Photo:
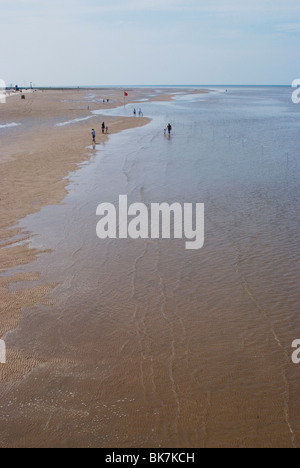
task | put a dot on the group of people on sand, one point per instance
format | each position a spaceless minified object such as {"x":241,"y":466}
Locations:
{"x":104,"y":130}
{"x":140,"y":112}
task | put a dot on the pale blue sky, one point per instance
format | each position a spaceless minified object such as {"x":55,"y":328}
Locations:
{"x":148,"y":42}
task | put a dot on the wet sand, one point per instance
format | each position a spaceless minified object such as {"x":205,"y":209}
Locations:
{"x":36,"y":157}
{"x":140,"y":343}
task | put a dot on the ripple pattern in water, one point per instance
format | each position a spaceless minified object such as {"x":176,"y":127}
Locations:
{"x":147,"y":344}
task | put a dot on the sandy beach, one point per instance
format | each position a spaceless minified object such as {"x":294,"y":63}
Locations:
{"x":37,"y":154}
{"x":142,"y":343}
{"x":149,"y":227}
{"x":35,"y":159}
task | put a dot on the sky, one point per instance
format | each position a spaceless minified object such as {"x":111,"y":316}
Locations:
{"x":149,"y":42}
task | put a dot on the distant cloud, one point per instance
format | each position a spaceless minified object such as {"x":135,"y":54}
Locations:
{"x":229,"y":33}
{"x":33,"y":7}
{"x":198,"y":5}
{"x":289,"y":28}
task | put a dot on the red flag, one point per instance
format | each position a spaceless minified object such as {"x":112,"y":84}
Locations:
{"x":125,"y":94}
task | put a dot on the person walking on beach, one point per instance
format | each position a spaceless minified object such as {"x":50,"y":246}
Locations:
{"x":134,"y":111}
{"x":106,"y":129}
{"x":94,"y":135}
{"x":169,"y":127}
{"x":103,"y":127}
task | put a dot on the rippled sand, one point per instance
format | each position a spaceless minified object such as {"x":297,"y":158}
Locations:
{"x":142,"y":343}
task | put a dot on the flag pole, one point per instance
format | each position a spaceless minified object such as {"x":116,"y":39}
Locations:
{"x":125,"y":95}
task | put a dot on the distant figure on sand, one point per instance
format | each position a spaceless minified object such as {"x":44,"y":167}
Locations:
{"x":94,"y":135}
{"x":140,"y":112}
{"x":134,"y":111}
{"x":106,"y":129}
{"x":103,"y":127}
{"x":169,"y":127}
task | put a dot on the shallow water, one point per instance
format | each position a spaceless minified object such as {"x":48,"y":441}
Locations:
{"x":9,"y":125}
{"x":148,"y":344}
{"x":70,"y":122}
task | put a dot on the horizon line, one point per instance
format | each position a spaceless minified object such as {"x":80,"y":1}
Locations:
{"x":148,"y":86}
